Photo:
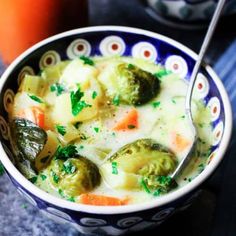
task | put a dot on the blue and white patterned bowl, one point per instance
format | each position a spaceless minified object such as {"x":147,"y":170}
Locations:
{"x":111,"y":40}
{"x":187,"y":14}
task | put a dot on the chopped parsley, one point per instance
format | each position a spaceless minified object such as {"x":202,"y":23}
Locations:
{"x":43,"y":177}
{"x":55,"y":177}
{"x":96,"y":129}
{"x":94,"y":94}
{"x":44,"y":159}
{"x":164,"y":180}
{"x":61,"y":129}
{"x":35,"y":98}
{"x":87,"y":60}
{"x":156,"y":104}
{"x":131,"y":126}
{"x":114,"y":168}
{"x":33,"y":180}
{"x":158,"y":192}
{"x":71,"y":199}
{"x":201,"y":167}
{"x":58,"y":88}
{"x":173,"y":100}
{"x":1,"y":169}
{"x":200,"y":125}
{"x":68,"y":167}
{"x":182,"y":117}
{"x":144,"y":186}
{"x":76,"y":104}
{"x":161,"y":74}
{"x":64,"y":153}
{"x":130,"y":66}
{"x":116,"y":100}
{"x":61,"y":192}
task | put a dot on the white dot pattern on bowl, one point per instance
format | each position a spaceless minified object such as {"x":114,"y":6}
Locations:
{"x":217,"y":133}
{"x":27,"y":70}
{"x":144,"y":50}
{"x":201,"y":87}
{"x":8,"y":99}
{"x":214,"y":106}
{"x":177,"y":65}
{"x":58,"y":213}
{"x":92,"y":222}
{"x":112,"y":46}
{"x":4,"y":128}
{"x":54,"y":217}
{"x":77,"y":48}
{"x":49,"y":58}
{"x":161,"y":215}
{"x":27,"y":197}
{"x":211,"y":157}
{"x":127,"y":222}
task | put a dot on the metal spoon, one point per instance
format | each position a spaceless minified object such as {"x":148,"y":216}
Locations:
{"x":188,"y":99}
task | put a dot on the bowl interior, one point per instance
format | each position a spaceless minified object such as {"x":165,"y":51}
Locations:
{"x":108,"y":41}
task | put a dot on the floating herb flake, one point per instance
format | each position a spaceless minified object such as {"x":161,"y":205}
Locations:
{"x":35,"y":98}
{"x":96,"y":129}
{"x":130,"y":66}
{"x":114,"y":168}
{"x":61,"y":192}
{"x":58,"y":88}
{"x":77,"y":124}
{"x":33,"y":179}
{"x":116,"y":100}
{"x":156,"y":104}
{"x":173,"y":101}
{"x":144,"y":186}
{"x":71,"y":199}
{"x":43,"y":177}
{"x":94,"y":94}
{"x":64,"y":153}
{"x":61,"y":129}
{"x":55,"y":177}
{"x":76,"y":104}
{"x":68,"y":167}
{"x":87,"y":60}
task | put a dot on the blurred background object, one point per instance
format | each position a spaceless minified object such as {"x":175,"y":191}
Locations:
{"x":187,"y":14}
{"x":25,"y":22}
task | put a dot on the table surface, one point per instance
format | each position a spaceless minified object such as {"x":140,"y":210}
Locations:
{"x":214,"y":212}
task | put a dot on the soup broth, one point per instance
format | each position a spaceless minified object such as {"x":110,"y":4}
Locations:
{"x":106,"y":131}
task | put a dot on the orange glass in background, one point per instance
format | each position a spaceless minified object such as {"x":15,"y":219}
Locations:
{"x":25,"y":22}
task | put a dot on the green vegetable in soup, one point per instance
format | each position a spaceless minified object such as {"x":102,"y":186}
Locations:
{"x":143,"y":158}
{"x":74,"y":176}
{"x":130,"y":83}
{"x":28,"y":140}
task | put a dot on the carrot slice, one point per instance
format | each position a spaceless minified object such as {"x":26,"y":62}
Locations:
{"x":130,"y":121}
{"x":101,"y":200}
{"x":179,"y":142}
{"x":34,"y":114}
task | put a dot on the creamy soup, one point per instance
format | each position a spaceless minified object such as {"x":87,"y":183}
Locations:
{"x":106,"y":131}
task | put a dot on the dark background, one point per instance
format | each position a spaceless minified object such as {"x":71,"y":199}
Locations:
{"x":214,"y":212}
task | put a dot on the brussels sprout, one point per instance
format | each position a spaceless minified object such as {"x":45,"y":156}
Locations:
{"x":28,"y":140}
{"x":74,"y":176}
{"x":133,"y":85}
{"x":142,"y":159}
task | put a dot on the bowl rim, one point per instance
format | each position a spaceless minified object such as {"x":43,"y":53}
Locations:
{"x":108,"y":210}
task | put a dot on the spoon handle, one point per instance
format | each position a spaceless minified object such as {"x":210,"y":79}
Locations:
{"x":188,"y":99}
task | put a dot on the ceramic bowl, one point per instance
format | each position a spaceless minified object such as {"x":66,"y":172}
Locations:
{"x":187,"y":14}
{"x":112,"y":40}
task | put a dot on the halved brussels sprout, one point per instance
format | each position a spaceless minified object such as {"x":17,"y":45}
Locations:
{"x":74,"y":176}
{"x":130,"y":83}
{"x":143,"y":158}
{"x":28,"y":140}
